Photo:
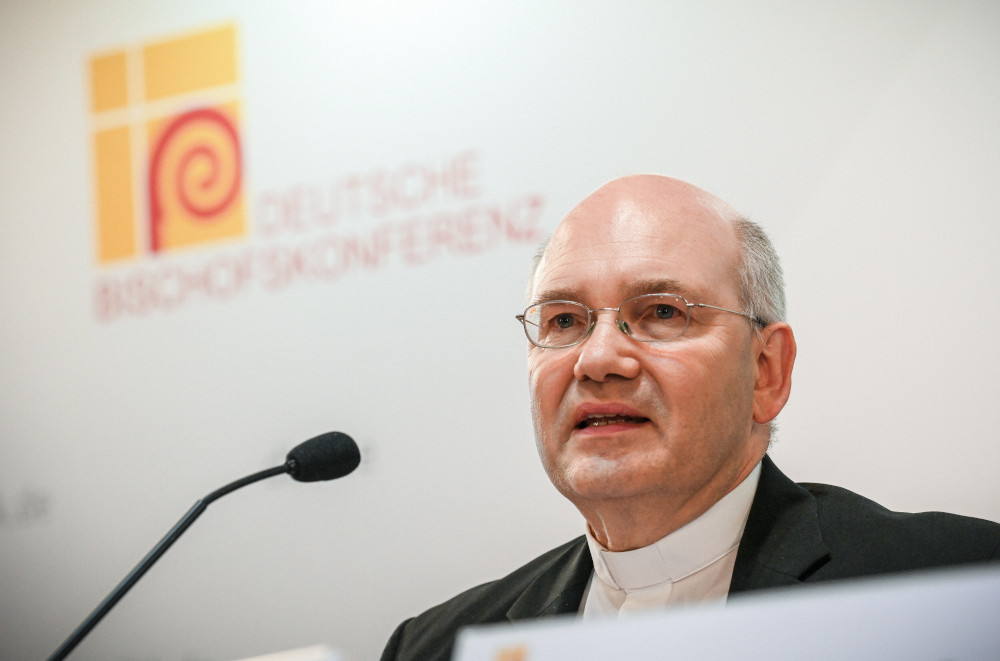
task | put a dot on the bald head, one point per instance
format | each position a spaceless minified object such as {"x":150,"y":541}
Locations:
{"x":670,"y":196}
{"x":640,"y":208}
{"x":627,"y":216}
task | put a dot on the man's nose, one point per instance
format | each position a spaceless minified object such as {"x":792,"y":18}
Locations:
{"x":607,"y":351}
{"x":614,"y":315}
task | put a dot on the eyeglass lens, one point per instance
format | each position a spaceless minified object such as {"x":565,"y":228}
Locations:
{"x":653,"y":317}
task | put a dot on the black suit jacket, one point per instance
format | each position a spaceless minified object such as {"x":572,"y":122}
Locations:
{"x":795,"y":534}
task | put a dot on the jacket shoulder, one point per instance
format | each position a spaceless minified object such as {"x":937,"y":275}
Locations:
{"x":867,"y":538}
{"x":802,"y":532}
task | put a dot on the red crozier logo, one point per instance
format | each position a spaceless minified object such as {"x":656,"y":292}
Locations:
{"x":166,"y":141}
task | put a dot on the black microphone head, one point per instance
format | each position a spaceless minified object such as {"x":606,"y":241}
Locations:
{"x":326,"y":457}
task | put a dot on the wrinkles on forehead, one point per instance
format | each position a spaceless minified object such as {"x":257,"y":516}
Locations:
{"x":630,"y":290}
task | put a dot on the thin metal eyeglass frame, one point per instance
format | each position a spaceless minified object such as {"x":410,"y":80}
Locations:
{"x":622,"y":324}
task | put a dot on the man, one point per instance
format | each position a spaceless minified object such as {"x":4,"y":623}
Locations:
{"x":658,"y":358}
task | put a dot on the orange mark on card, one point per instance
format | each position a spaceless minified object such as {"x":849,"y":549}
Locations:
{"x":519,"y":653}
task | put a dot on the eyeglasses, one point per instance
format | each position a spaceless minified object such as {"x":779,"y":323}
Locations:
{"x":646,"y":318}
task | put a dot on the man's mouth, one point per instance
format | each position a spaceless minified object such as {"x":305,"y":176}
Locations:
{"x":598,"y":420}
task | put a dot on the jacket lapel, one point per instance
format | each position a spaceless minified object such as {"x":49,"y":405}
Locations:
{"x":782,"y":543}
{"x":559,"y":589}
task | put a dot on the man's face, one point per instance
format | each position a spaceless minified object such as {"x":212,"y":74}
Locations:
{"x":681,"y":412}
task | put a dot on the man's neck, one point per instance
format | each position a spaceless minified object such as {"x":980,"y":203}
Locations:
{"x":626,"y":524}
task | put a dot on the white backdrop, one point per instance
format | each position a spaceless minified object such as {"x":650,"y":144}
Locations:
{"x":863,"y":135}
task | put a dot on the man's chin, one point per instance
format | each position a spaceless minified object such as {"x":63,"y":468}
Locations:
{"x":599,"y":478}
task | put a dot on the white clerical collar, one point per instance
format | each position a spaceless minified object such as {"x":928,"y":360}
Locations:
{"x":684,"y":551}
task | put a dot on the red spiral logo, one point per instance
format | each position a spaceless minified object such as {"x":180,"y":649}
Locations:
{"x":195,"y":174}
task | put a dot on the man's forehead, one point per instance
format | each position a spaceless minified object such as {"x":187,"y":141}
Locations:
{"x":632,"y":238}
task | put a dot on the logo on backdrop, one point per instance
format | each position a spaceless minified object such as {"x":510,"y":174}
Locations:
{"x":172,"y":214}
{"x":166,"y":144}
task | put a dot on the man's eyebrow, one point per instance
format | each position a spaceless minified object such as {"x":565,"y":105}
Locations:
{"x":570,"y":294}
{"x":657,"y":286}
{"x":633,"y":289}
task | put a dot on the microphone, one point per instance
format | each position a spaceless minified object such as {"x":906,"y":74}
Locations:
{"x":325,"y":457}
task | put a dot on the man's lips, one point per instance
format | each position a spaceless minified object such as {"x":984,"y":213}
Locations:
{"x":605,"y":420}
{"x":603,"y":415}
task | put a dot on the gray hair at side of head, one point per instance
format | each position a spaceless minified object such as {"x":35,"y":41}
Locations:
{"x":762,"y":283}
{"x":761,"y":278}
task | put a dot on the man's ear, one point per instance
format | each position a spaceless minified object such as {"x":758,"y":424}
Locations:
{"x":773,"y":371}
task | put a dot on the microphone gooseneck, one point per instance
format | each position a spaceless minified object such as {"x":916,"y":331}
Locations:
{"x":325,"y":457}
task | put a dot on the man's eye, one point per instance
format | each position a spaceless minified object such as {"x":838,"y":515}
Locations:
{"x":664,"y":311}
{"x":564,"y":321}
